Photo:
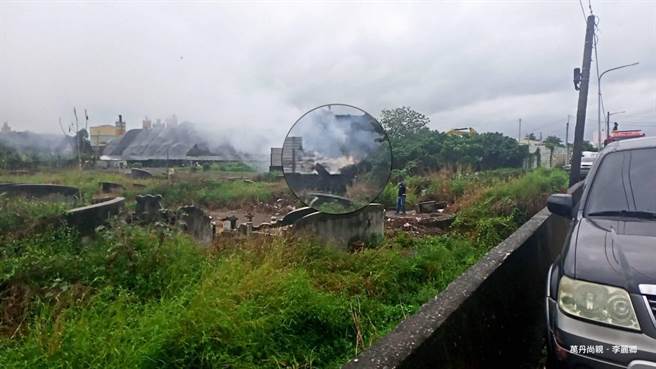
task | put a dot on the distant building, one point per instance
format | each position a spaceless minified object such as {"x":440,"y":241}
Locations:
{"x":120,"y":125}
{"x":276,"y":159}
{"x":182,"y":145}
{"x":147,"y":123}
{"x":6,"y":128}
{"x":539,"y":155}
{"x":172,"y":121}
{"x":292,"y":154}
{"x":101,"y":135}
{"x":158,"y":123}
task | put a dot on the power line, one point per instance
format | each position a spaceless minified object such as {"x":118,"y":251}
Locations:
{"x":595,"y":40}
{"x":582,"y":10}
{"x":590,"y":6}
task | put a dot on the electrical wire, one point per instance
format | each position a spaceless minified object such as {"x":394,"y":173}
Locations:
{"x":582,"y":10}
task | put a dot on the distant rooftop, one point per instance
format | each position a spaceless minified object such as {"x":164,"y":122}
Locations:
{"x":180,"y":142}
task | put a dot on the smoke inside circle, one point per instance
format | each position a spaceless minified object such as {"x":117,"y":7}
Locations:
{"x":336,"y":158}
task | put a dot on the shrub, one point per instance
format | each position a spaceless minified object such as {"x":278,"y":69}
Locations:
{"x":19,"y":215}
{"x":142,"y":299}
{"x":505,"y":206}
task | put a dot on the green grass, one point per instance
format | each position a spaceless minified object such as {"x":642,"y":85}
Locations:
{"x":138,"y":299}
{"x":87,"y":181}
{"x":235,"y":167}
{"x":446,"y":186}
{"x":21,"y":215}
{"x":217,"y":193}
{"x":207,"y":189}
{"x":501,"y":209}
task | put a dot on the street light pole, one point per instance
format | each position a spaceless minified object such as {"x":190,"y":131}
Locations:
{"x":599,"y":99}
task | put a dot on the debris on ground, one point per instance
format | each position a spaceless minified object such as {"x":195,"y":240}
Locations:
{"x":418,"y":224}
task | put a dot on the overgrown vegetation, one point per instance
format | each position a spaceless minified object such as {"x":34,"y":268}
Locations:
{"x":417,"y":149}
{"x":444,"y":185}
{"x":493,"y":215}
{"x":148,"y":297}
{"x":19,"y":216}
{"x":212,"y":193}
{"x":137,"y":298}
{"x":208,"y":189}
{"x":232,"y":167}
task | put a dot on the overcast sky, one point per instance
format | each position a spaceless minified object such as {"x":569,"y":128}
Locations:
{"x":249,"y":70}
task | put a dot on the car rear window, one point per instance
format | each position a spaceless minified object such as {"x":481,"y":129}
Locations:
{"x":625,"y":181}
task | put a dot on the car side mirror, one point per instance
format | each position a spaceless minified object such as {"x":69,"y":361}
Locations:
{"x":561,"y":204}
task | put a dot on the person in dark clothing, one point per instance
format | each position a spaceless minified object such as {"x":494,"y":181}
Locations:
{"x":400,"y":201}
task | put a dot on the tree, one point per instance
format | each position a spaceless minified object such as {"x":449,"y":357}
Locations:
{"x":403,"y":122}
{"x":410,"y":137}
{"x":587,"y":146}
{"x":531,"y":136}
{"x":9,"y":157}
{"x":498,"y":151}
{"x":416,"y":148}
{"x":551,"y":143}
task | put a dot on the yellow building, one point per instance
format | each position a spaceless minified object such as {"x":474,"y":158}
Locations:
{"x":101,"y":135}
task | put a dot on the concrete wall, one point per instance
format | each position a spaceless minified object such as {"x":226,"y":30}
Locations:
{"x":492,"y":316}
{"x":38,"y":190}
{"x":333,"y":183}
{"x":87,"y":218}
{"x":366,"y":225}
{"x":539,"y":155}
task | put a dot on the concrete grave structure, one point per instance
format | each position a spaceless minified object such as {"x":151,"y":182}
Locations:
{"x":366,"y":224}
{"x":140,"y":173}
{"x":148,"y":208}
{"x":109,"y":187}
{"x":86,"y":219}
{"x":199,"y":225}
{"x":39,"y":190}
{"x":294,"y":215}
{"x":430,"y":206}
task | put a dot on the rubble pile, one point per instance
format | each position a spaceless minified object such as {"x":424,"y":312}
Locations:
{"x":417,"y":225}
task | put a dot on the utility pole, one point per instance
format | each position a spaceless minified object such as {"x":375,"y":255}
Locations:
{"x":519,"y":134}
{"x":579,"y":129}
{"x":77,"y":140}
{"x":567,"y":139}
{"x":608,"y":120}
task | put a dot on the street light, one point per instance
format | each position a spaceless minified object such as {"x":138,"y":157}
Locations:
{"x":599,"y":99}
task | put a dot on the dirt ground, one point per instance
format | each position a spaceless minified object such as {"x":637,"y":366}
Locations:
{"x":418,"y":224}
{"x":411,"y":222}
{"x":262,"y":212}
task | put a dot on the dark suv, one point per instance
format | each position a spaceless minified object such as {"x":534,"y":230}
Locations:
{"x":601,"y":291}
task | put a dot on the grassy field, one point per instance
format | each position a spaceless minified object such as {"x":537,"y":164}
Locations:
{"x":445,"y":186}
{"x":20,"y":216}
{"x":150,"y":298}
{"x":137,"y":299}
{"x":211,"y":189}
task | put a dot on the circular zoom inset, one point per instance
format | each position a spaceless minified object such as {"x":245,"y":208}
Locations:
{"x":336,"y":158}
